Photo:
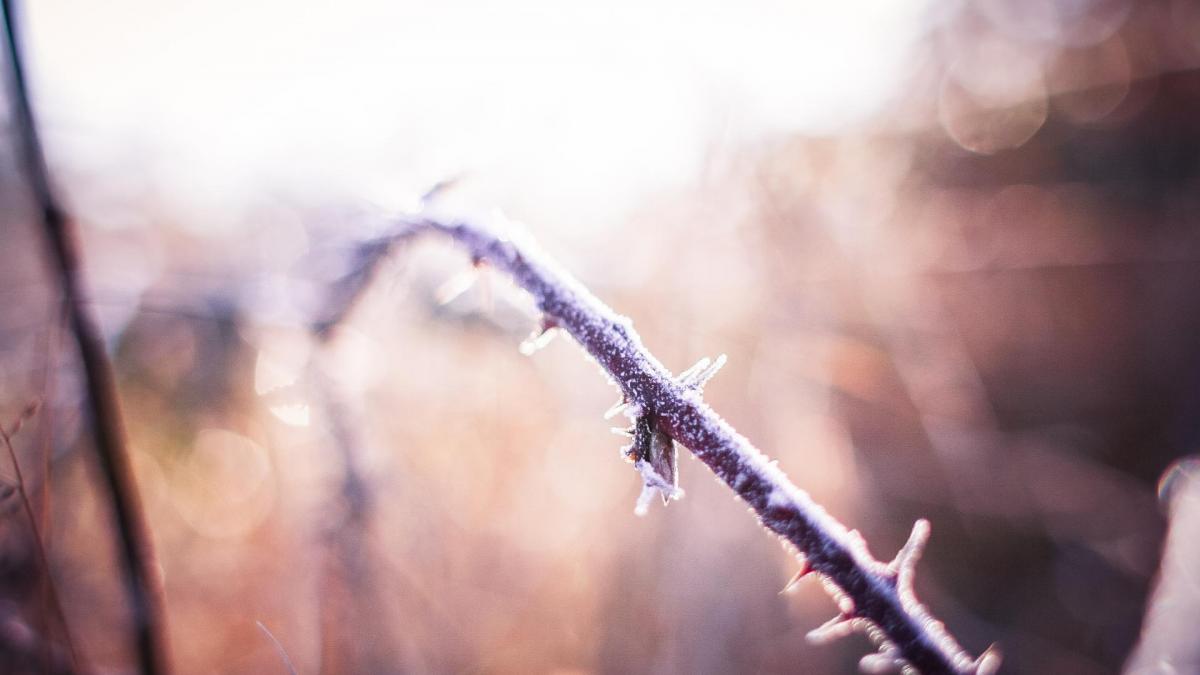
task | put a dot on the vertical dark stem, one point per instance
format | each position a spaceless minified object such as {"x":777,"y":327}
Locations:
{"x":141,"y":578}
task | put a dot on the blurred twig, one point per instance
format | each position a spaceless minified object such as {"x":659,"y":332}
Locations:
{"x":38,"y":541}
{"x":872,"y":596}
{"x":143,"y":584}
{"x":283,"y":655}
{"x":1168,"y":643}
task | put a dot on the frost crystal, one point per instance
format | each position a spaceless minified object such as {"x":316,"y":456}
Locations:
{"x":536,"y":340}
{"x":455,"y":286}
{"x":880,"y":664}
{"x":904,"y":565}
{"x":699,"y":374}
{"x":835,"y":628}
{"x":616,"y":408}
{"x":653,"y":483}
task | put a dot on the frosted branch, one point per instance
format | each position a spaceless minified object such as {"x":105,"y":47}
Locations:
{"x":872,"y":596}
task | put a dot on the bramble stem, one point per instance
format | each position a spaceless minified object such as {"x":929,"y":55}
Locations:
{"x":872,"y":596}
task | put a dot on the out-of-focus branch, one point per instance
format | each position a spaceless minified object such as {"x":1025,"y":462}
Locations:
{"x":1168,"y":643}
{"x":872,"y":596}
{"x":142,"y":581}
{"x":35,"y":531}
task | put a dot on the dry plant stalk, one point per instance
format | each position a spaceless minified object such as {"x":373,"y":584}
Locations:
{"x":141,"y":579}
{"x":872,"y":596}
{"x":49,"y":588}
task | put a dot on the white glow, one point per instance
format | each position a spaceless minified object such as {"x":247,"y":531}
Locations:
{"x":561,"y":109}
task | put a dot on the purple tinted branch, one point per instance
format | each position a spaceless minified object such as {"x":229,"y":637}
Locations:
{"x":872,"y":596}
{"x":142,"y":581}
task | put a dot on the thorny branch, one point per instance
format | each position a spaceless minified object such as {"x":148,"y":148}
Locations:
{"x":142,"y":582}
{"x":872,"y":596}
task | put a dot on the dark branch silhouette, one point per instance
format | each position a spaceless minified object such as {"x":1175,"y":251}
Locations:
{"x":142,"y":582}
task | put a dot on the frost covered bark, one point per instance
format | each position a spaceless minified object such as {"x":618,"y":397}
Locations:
{"x":872,"y":596}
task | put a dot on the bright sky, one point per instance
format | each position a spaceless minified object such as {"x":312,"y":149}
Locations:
{"x":565,"y":109}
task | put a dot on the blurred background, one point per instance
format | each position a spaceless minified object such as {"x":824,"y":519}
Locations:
{"x":949,"y":247}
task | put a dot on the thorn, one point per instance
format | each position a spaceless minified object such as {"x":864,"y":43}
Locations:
{"x":627,"y":433}
{"x":686,"y":376}
{"x":616,"y":408}
{"x":843,"y":600}
{"x":846,"y":605}
{"x":904,"y":565}
{"x":643,"y":501}
{"x":879,"y":664}
{"x":540,"y":337}
{"x":31,"y":409}
{"x":988,"y":662}
{"x":455,"y":286}
{"x":486,"y":297}
{"x":857,"y":539}
{"x":27,"y":413}
{"x":439,"y":188}
{"x":283,"y":655}
{"x":837,"y":627}
{"x":804,"y":571}
{"x":701,"y":372}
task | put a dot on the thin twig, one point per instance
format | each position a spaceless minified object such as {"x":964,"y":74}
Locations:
{"x":873,"y":596}
{"x":142,"y":582}
{"x":39,"y":543}
{"x":283,"y":655}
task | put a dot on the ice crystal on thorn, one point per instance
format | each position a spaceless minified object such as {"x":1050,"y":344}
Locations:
{"x":539,"y":338}
{"x":904,"y":566}
{"x":835,"y":628}
{"x":701,"y":372}
{"x":455,"y":286}
{"x":616,"y":408}
{"x":653,"y":483}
